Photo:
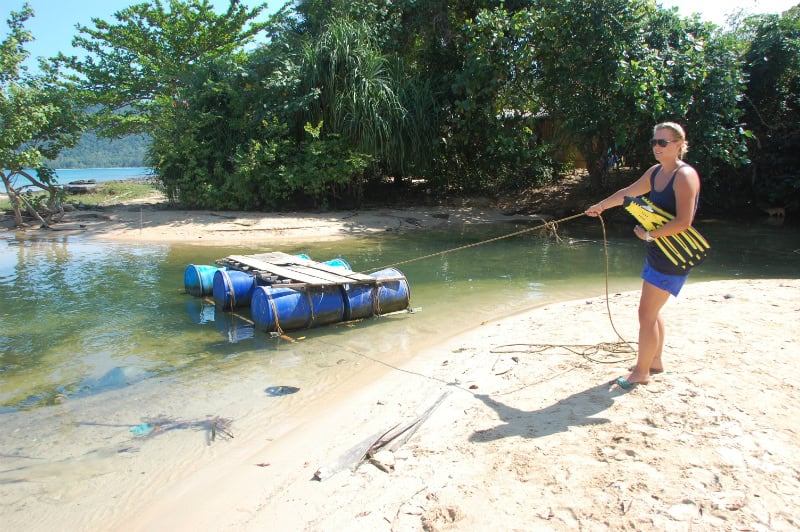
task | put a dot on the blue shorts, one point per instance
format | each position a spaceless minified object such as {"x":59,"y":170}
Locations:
{"x":666,"y":282}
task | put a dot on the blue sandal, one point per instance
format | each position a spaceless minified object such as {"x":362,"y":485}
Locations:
{"x":623,"y":383}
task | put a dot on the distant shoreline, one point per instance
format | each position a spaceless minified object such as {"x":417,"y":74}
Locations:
{"x":100,"y":175}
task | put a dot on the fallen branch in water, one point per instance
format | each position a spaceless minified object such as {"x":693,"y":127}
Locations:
{"x":221,"y":425}
{"x":214,"y":426}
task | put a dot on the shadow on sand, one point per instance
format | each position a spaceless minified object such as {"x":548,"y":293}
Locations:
{"x":574,"y":411}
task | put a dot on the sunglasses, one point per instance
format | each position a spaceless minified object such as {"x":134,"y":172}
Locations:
{"x":661,"y":142}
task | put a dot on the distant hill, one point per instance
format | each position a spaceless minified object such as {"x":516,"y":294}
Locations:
{"x":94,"y":152}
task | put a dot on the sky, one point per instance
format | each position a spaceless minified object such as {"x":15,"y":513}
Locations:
{"x":716,"y":11}
{"x":53,"y":25}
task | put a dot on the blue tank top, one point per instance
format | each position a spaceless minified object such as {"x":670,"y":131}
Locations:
{"x":664,"y":199}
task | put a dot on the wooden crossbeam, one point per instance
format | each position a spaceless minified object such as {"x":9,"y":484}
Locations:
{"x":284,"y":259}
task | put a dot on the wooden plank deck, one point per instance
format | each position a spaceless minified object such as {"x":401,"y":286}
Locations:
{"x":300,"y":262}
{"x":295,"y":269}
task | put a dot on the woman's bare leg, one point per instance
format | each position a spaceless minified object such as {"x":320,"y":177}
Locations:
{"x":651,"y":332}
{"x":656,"y":365}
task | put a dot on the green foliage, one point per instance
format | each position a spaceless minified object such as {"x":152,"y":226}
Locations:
{"x":461,"y":93}
{"x":217,"y":156}
{"x":491,"y":142}
{"x":193,"y":150}
{"x":608,"y":70}
{"x":598,"y":78}
{"x":353,"y":91}
{"x":702,"y":88}
{"x":12,"y":47}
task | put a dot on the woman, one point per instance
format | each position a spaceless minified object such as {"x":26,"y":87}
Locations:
{"x":674,"y":186}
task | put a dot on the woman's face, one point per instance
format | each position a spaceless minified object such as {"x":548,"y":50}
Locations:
{"x":665,"y":144}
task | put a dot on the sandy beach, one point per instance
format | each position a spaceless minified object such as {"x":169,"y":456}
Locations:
{"x":150,"y":221}
{"x":512,"y":426}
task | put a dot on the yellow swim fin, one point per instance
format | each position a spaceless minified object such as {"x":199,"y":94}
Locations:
{"x":684,"y":249}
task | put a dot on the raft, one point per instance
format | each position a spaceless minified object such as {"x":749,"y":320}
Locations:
{"x":288,"y":292}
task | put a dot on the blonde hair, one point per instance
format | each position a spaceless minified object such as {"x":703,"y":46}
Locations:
{"x":678,"y":131}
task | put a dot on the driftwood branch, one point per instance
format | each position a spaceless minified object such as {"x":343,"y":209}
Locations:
{"x":33,"y":211}
{"x":388,"y":440}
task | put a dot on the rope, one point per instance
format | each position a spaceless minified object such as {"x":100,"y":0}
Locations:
{"x":623,"y":346}
{"x":552,"y":226}
{"x":608,"y":304}
{"x":588,"y":352}
{"x":278,"y":327}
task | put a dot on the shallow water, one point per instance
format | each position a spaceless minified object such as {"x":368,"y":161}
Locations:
{"x":103,"y":354}
{"x":80,"y":318}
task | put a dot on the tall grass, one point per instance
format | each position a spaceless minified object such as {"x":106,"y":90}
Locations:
{"x":364,"y":96}
{"x":115,"y":192}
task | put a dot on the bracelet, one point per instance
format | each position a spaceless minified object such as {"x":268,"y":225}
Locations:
{"x":647,"y":237}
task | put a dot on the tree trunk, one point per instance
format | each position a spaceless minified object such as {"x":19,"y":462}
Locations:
{"x":12,"y":197}
{"x":33,"y":211}
{"x":594,"y":165}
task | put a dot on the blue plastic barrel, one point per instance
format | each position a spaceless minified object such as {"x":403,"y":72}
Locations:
{"x":198,"y":279}
{"x":275,"y":307}
{"x":339,"y":263}
{"x":233,"y":289}
{"x":389,"y":294}
{"x":393,"y":292}
{"x":358,"y":301}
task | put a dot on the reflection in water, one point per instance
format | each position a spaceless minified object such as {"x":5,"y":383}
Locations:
{"x":78,"y":317}
{"x":233,"y":326}
{"x":200,"y":311}
{"x":77,"y":313}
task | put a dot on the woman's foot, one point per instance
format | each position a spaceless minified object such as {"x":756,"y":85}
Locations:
{"x":625,"y":384}
{"x":637,"y":378}
{"x":656,"y":366}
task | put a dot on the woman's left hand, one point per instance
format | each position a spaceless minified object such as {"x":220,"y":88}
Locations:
{"x":595,"y":210}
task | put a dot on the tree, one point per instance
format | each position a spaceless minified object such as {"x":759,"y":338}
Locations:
{"x":596,"y":74}
{"x":608,"y":70}
{"x":356,"y":93}
{"x":491,"y":141}
{"x":39,"y":116}
{"x":702,"y":87}
{"x":772,"y":106}
{"x":139,"y":66}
